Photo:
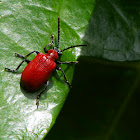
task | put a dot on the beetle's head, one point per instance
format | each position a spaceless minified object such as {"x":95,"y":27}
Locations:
{"x":57,"y":50}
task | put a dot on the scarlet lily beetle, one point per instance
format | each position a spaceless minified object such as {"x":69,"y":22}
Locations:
{"x":38,"y":71}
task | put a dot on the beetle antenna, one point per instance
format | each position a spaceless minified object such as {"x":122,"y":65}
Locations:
{"x":58,"y":32}
{"x":72,"y":47}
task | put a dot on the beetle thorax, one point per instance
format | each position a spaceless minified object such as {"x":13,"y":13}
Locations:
{"x":52,"y":54}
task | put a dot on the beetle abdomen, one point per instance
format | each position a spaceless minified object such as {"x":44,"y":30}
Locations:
{"x":37,"y":72}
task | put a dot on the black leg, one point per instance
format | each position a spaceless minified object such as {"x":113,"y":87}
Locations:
{"x":58,"y":68}
{"x":52,"y":41}
{"x":21,"y":56}
{"x":25,"y":60}
{"x":10,"y":70}
{"x":38,"y":96}
{"x":30,"y":54}
{"x":67,"y":62}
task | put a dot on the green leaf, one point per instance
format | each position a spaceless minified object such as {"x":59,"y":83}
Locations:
{"x":113,"y":32}
{"x":26,"y":26}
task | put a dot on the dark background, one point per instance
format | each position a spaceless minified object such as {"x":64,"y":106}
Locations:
{"x":100,"y":106}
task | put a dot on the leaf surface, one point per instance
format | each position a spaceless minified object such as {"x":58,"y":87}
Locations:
{"x":26,"y":26}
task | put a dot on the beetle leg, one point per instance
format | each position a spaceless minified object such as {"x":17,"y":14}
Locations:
{"x":10,"y":70}
{"x":19,"y":55}
{"x":58,"y":68}
{"x":38,"y":96}
{"x":30,"y":54}
{"x":66,"y":62}
{"x":25,"y":60}
{"x":52,"y":41}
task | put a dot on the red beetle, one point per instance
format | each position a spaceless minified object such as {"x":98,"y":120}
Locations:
{"x":38,"y":71}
